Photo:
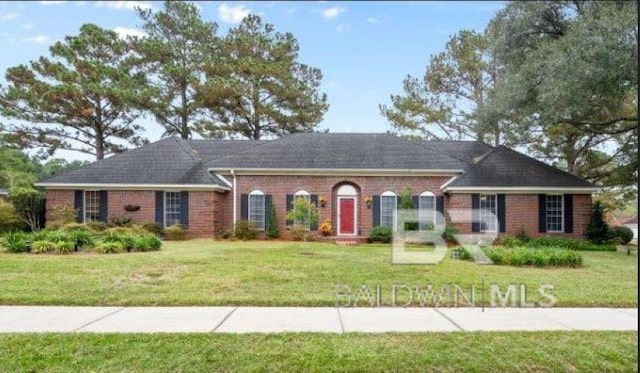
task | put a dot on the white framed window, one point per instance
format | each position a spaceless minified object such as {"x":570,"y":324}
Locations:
{"x":555,"y":213}
{"x":172,"y":202}
{"x":257,"y":209}
{"x":307,"y":197}
{"x":91,"y":205}
{"x":388,"y":209}
{"x":488,"y":213}
{"x":426,"y":209}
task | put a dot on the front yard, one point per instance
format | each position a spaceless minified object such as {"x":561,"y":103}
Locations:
{"x":264,"y":273}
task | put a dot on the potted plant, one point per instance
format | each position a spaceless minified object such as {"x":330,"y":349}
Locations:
{"x":132,"y":208}
{"x":326,"y":227}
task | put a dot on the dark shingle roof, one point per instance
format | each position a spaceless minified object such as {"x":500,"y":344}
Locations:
{"x":340,"y":151}
{"x":504,"y":167}
{"x":174,"y":161}
{"x":168,"y":161}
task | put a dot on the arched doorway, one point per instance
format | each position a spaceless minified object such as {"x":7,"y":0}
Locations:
{"x":347,"y":210}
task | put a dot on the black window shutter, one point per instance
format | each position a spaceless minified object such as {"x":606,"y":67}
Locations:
{"x":475,"y":215}
{"x":78,"y":205}
{"x":104,"y":206}
{"x":568,"y":213}
{"x":289,"y":207}
{"x":502,"y":220}
{"x":267,"y":210}
{"x":244,"y":207}
{"x":416,"y":202}
{"x":542,"y":213}
{"x":375,"y":202}
{"x":184,"y":209}
{"x":314,"y":201}
{"x":160,"y":207}
{"x":440,"y":209}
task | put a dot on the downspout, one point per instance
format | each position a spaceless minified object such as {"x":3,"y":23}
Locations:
{"x":235,"y":200}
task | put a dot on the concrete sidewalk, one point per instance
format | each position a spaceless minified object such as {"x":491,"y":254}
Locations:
{"x":24,"y":319}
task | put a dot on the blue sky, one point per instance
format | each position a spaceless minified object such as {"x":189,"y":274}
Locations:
{"x":364,"y":49}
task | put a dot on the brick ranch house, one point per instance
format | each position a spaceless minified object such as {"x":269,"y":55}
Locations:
{"x":353,"y":179}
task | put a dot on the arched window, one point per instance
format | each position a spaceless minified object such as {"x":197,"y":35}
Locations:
{"x":257,"y":209}
{"x":388,"y":209}
{"x":347,"y":190}
{"x":305,"y":222}
{"x":426,"y":209}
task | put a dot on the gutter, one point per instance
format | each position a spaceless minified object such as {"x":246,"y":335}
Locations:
{"x":345,"y":171}
{"x":133,"y":186}
{"x":235,"y":200}
{"x":521,"y":189}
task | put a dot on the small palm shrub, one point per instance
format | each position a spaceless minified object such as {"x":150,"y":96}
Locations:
{"x":42,"y":247}
{"x":519,"y":256}
{"x":96,"y":226}
{"x":15,"y":242}
{"x":569,"y":243}
{"x":121,"y":221}
{"x":155,"y":228}
{"x":449,"y":235}
{"x":381,"y":234}
{"x":509,"y":241}
{"x":175,"y":233}
{"x":148,"y":242}
{"x":112,"y":247}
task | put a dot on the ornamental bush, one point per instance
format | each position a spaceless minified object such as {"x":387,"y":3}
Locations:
{"x":543,"y":257}
{"x":15,"y":242}
{"x":381,"y":234}
{"x":622,"y":234}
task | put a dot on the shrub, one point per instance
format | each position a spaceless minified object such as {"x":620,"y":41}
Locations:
{"x":148,"y":242}
{"x":568,"y":243}
{"x":64,"y":247}
{"x":449,"y":235}
{"x":112,"y":247}
{"x":300,"y":233}
{"x":622,"y":234}
{"x":175,"y":233}
{"x":548,"y":256}
{"x":326,"y":228}
{"x":29,"y":204}
{"x":598,"y":229}
{"x":464,"y":254}
{"x":9,"y":218}
{"x":381,"y":234}
{"x":61,"y":215}
{"x":120,"y":221}
{"x":155,"y":228}
{"x":41,"y":247}
{"x":245,"y":231}
{"x":97,"y":226}
{"x":522,"y":236}
{"x":272,"y":227}
{"x":126,"y":240}
{"x":82,"y":238}
{"x":509,"y":241}
{"x":16,"y":242}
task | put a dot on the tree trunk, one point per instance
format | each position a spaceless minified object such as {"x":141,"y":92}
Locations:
{"x":184,"y":124}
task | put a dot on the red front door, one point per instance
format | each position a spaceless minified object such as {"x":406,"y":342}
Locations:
{"x":347,"y":216}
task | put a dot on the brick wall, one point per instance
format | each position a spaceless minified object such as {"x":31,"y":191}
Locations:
{"x":204,"y":212}
{"x":522,"y":214}
{"x":280,"y":186}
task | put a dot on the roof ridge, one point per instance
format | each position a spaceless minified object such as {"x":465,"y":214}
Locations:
{"x":253,"y":146}
{"x":183,"y":144}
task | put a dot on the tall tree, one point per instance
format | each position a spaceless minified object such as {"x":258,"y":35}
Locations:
{"x":261,"y":89}
{"x":570,"y":78}
{"x":442,"y":104}
{"x":177,"y":45}
{"x":81,"y":98}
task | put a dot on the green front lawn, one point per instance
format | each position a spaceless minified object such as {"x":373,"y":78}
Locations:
{"x":452,"y":352}
{"x":264,"y":273}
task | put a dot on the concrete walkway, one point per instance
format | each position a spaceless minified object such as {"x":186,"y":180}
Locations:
{"x":27,"y":319}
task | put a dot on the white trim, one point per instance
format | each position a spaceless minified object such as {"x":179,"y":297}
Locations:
{"x":546,"y":209}
{"x":302,"y":193}
{"x":448,"y":182}
{"x":389,"y":193}
{"x":257,"y":192}
{"x":345,"y":171}
{"x":435,"y":208}
{"x":224,"y":180}
{"x":181,"y":187}
{"x":164,"y":206}
{"x":347,"y":190}
{"x":523,"y":190}
{"x":355,"y":216}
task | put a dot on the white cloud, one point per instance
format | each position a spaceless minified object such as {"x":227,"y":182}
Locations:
{"x":232,"y":14}
{"x":9,"y":16}
{"x":123,"y":32}
{"x":52,"y":2}
{"x":26,"y":26}
{"x":341,"y":28}
{"x":372,"y":20}
{"x":332,"y":13}
{"x":38,"y":39}
{"x":126,"y":5}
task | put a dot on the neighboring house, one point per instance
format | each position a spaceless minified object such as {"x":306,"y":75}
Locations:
{"x":354,"y":179}
{"x":4,"y":194}
{"x":633,"y":225}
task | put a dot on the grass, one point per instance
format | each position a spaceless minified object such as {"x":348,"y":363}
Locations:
{"x":452,"y":352}
{"x":269,"y":273}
